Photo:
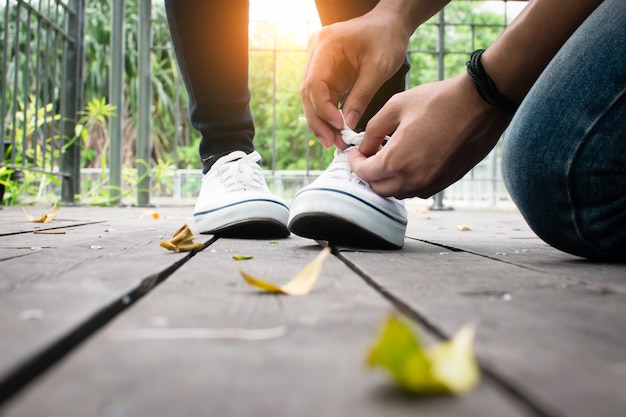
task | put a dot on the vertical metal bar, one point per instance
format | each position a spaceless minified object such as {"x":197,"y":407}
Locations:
{"x":144,"y":103}
{"x":506,"y":13}
{"x":116,"y":85}
{"x":274,"y":91}
{"x":493,"y":163}
{"x":441,"y":45}
{"x":178,"y":122}
{"x":71,"y":100}
{"x":38,"y":76}
{"x":26,"y":82}
{"x":48,"y":78}
{"x":3,"y":85}
{"x":56,"y":74}
{"x":13,"y":108}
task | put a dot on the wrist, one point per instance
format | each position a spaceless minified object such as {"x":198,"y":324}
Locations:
{"x":486,"y":86}
{"x":409,"y":14}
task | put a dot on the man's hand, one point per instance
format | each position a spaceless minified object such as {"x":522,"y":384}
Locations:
{"x":442,"y":130}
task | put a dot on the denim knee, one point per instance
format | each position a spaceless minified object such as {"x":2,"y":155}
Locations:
{"x":564,"y":160}
{"x":574,"y":201}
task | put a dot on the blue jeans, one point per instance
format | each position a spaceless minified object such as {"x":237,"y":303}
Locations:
{"x":210,"y":38}
{"x":564,"y":157}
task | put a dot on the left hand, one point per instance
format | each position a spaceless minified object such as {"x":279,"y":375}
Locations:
{"x":349,"y":60}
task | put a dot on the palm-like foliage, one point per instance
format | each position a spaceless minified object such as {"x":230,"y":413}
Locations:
{"x":276,"y":62}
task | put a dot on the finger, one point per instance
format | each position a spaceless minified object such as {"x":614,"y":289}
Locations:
{"x":320,"y":129}
{"x":383,"y":123}
{"x":387,"y":187}
{"x":320,"y":109}
{"x":360,"y":96}
{"x":319,"y":89}
{"x":373,"y":170}
{"x":370,"y":168}
{"x":324,"y":105}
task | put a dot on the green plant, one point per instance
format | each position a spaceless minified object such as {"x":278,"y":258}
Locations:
{"x":31,"y":144}
{"x":16,"y":185}
{"x":163,"y":177}
{"x":96,"y":114}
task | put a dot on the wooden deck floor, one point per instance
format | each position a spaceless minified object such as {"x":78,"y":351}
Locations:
{"x":101,"y":321}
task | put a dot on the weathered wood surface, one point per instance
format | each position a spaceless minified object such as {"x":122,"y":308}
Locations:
{"x":551,"y":333}
{"x":310,"y":365}
{"x":504,"y":236}
{"x":561,"y":345}
{"x":55,"y":288}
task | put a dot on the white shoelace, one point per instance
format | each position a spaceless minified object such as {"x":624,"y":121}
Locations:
{"x":340,"y":167}
{"x":242,"y":173}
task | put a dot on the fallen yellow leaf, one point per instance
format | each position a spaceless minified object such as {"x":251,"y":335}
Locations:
{"x":448,"y":367}
{"x":242,"y":257}
{"x":464,"y":228}
{"x":182,"y":241}
{"x":46,"y":218}
{"x":301,"y":284}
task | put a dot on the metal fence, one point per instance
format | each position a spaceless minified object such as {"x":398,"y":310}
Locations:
{"x":40,"y":92}
{"x":482,"y":186}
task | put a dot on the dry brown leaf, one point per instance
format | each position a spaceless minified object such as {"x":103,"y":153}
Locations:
{"x":463,"y":228}
{"x":301,"y":284}
{"x":46,"y":218}
{"x":182,"y":241}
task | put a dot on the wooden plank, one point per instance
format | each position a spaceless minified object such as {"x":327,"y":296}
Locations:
{"x":312,"y":367}
{"x":18,"y":234}
{"x":13,"y":220}
{"x":505,"y":236}
{"x":558,"y":343}
{"x":52,"y":297}
{"x":21,"y":237}
{"x":85,"y":237}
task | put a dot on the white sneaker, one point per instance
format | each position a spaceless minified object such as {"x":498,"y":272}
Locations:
{"x":341,"y":208}
{"x":235,"y":201}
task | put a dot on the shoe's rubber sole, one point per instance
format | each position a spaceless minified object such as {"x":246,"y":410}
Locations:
{"x":254,"y":219}
{"x":343,"y":219}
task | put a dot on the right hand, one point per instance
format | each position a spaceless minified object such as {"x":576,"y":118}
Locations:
{"x":442,"y":130}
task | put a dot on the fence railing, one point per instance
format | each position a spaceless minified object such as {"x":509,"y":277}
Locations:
{"x":483,"y":184}
{"x":40,"y":92}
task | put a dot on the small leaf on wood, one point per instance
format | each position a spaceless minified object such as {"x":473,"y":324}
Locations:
{"x":446,"y":368}
{"x":301,"y":284}
{"x":46,"y":217}
{"x":242,"y":257}
{"x":182,"y":241}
